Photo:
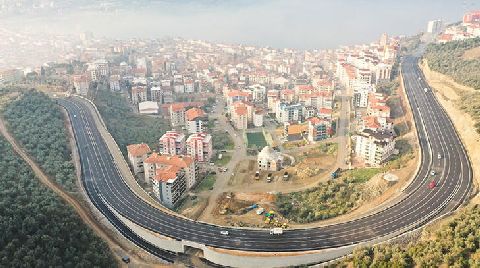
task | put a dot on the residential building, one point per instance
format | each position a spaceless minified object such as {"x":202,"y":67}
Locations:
{"x":139,"y":94}
{"x":318,"y":129}
{"x":173,"y":143}
{"x":258,"y":92}
{"x":434,"y":26}
{"x":196,"y":120}
{"x":269,"y":159}
{"x":156,"y":94}
{"x":239,"y":117}
{"x":114,"y":82}
{"x":81,"y":84}
{"x":137,"y":153}
{"x":169,"y":185}
{"x":286,"y":113}
{"x":258,"y":118}
{"x":177,"y":114}
{"x":374,"y":147}
{"x":200,"y":147}
{"x":156,"y":161}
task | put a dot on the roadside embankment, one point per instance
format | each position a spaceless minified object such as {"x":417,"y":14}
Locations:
{"x":449,"y":94}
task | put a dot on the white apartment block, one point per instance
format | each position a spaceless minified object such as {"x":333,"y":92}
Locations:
{"x":374,"y":147}
{"x":137,"y":153}
{"x":177,"y":114}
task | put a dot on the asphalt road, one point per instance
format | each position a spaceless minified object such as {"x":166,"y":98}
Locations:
{"x":436,"y":133}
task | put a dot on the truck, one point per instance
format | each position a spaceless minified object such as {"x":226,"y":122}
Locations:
{"x":334,"y":174}
{"x":276,"y":231}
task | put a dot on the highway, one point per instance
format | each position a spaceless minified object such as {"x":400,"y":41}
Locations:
{"x":104,"y":184}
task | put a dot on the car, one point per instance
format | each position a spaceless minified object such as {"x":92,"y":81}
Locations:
{"x":285,"y":176}
{"x":74,"y":116}
{"x":224,"y":232}
{"x":269,"y":177}
{"x":126,"y":259}
{"x":425,"y":89}
{"x":432,"y":173}
{"x":439,"y":156}
{"x":257,"y":173}
{"x":238,"y":147}
{"x":211,"y":164}
{"x":432,"y":185}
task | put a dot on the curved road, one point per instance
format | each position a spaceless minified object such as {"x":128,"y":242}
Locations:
{"x":436,"y":134}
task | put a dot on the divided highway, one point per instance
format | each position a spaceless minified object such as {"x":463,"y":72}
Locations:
{"x":437,"y":136}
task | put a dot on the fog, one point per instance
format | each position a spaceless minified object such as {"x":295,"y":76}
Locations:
{"x":303,"y":24}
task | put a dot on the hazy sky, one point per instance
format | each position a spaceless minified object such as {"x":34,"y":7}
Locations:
{"x":278,"y":23}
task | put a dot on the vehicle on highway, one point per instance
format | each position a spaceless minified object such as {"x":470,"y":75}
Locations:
{"x":276,"y":231}
{"x":425,"y":89}
{"x":223,"y":232}
{"x":439,"y":156}
{"x":74,"y":116}
{"x":432,"y":185}
{"x":432,"y":173}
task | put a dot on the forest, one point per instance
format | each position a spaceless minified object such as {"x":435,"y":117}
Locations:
{"x":449,"y":59}
{"x":37,"y":123}
{"x":125,"y":126}
{"x":454,"y":244}
{"x":37,"y":228}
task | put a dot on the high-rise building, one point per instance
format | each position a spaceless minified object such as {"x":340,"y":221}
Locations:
{"x":434,"y":26}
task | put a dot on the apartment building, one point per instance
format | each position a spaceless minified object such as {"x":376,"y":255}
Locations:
{"x":177,"y":114}
{"x":136,"y":154}
{"x":200,"y":147}
{"x":139,"y":94}
{"x":169,"y":185}
{"x":318,"y":129}
{"x":196,"y":120}
{"x":173,"y":143}
{"x":81,"y":84}
{"x":156,"y":161}
{"x":374,"y":147}
{"x":288,"y":112}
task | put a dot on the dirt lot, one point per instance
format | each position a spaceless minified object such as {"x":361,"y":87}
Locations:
{"x":311,"y":168}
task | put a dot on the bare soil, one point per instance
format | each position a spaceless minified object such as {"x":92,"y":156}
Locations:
{"x":472,"y":54}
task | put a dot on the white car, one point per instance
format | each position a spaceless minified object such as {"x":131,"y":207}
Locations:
{"x":224,"y":232}
{"x":439,"y":156}
{"x":432,"y":173}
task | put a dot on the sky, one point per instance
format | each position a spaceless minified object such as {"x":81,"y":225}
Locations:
{"x":302,"y":24}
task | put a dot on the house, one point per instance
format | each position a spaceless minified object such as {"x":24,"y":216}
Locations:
{"x":269,"y":159}
{"x":196,"y":119}
{"x":137,"y":153}
{"x":375,"y":147}
{"x":200,"y":147}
